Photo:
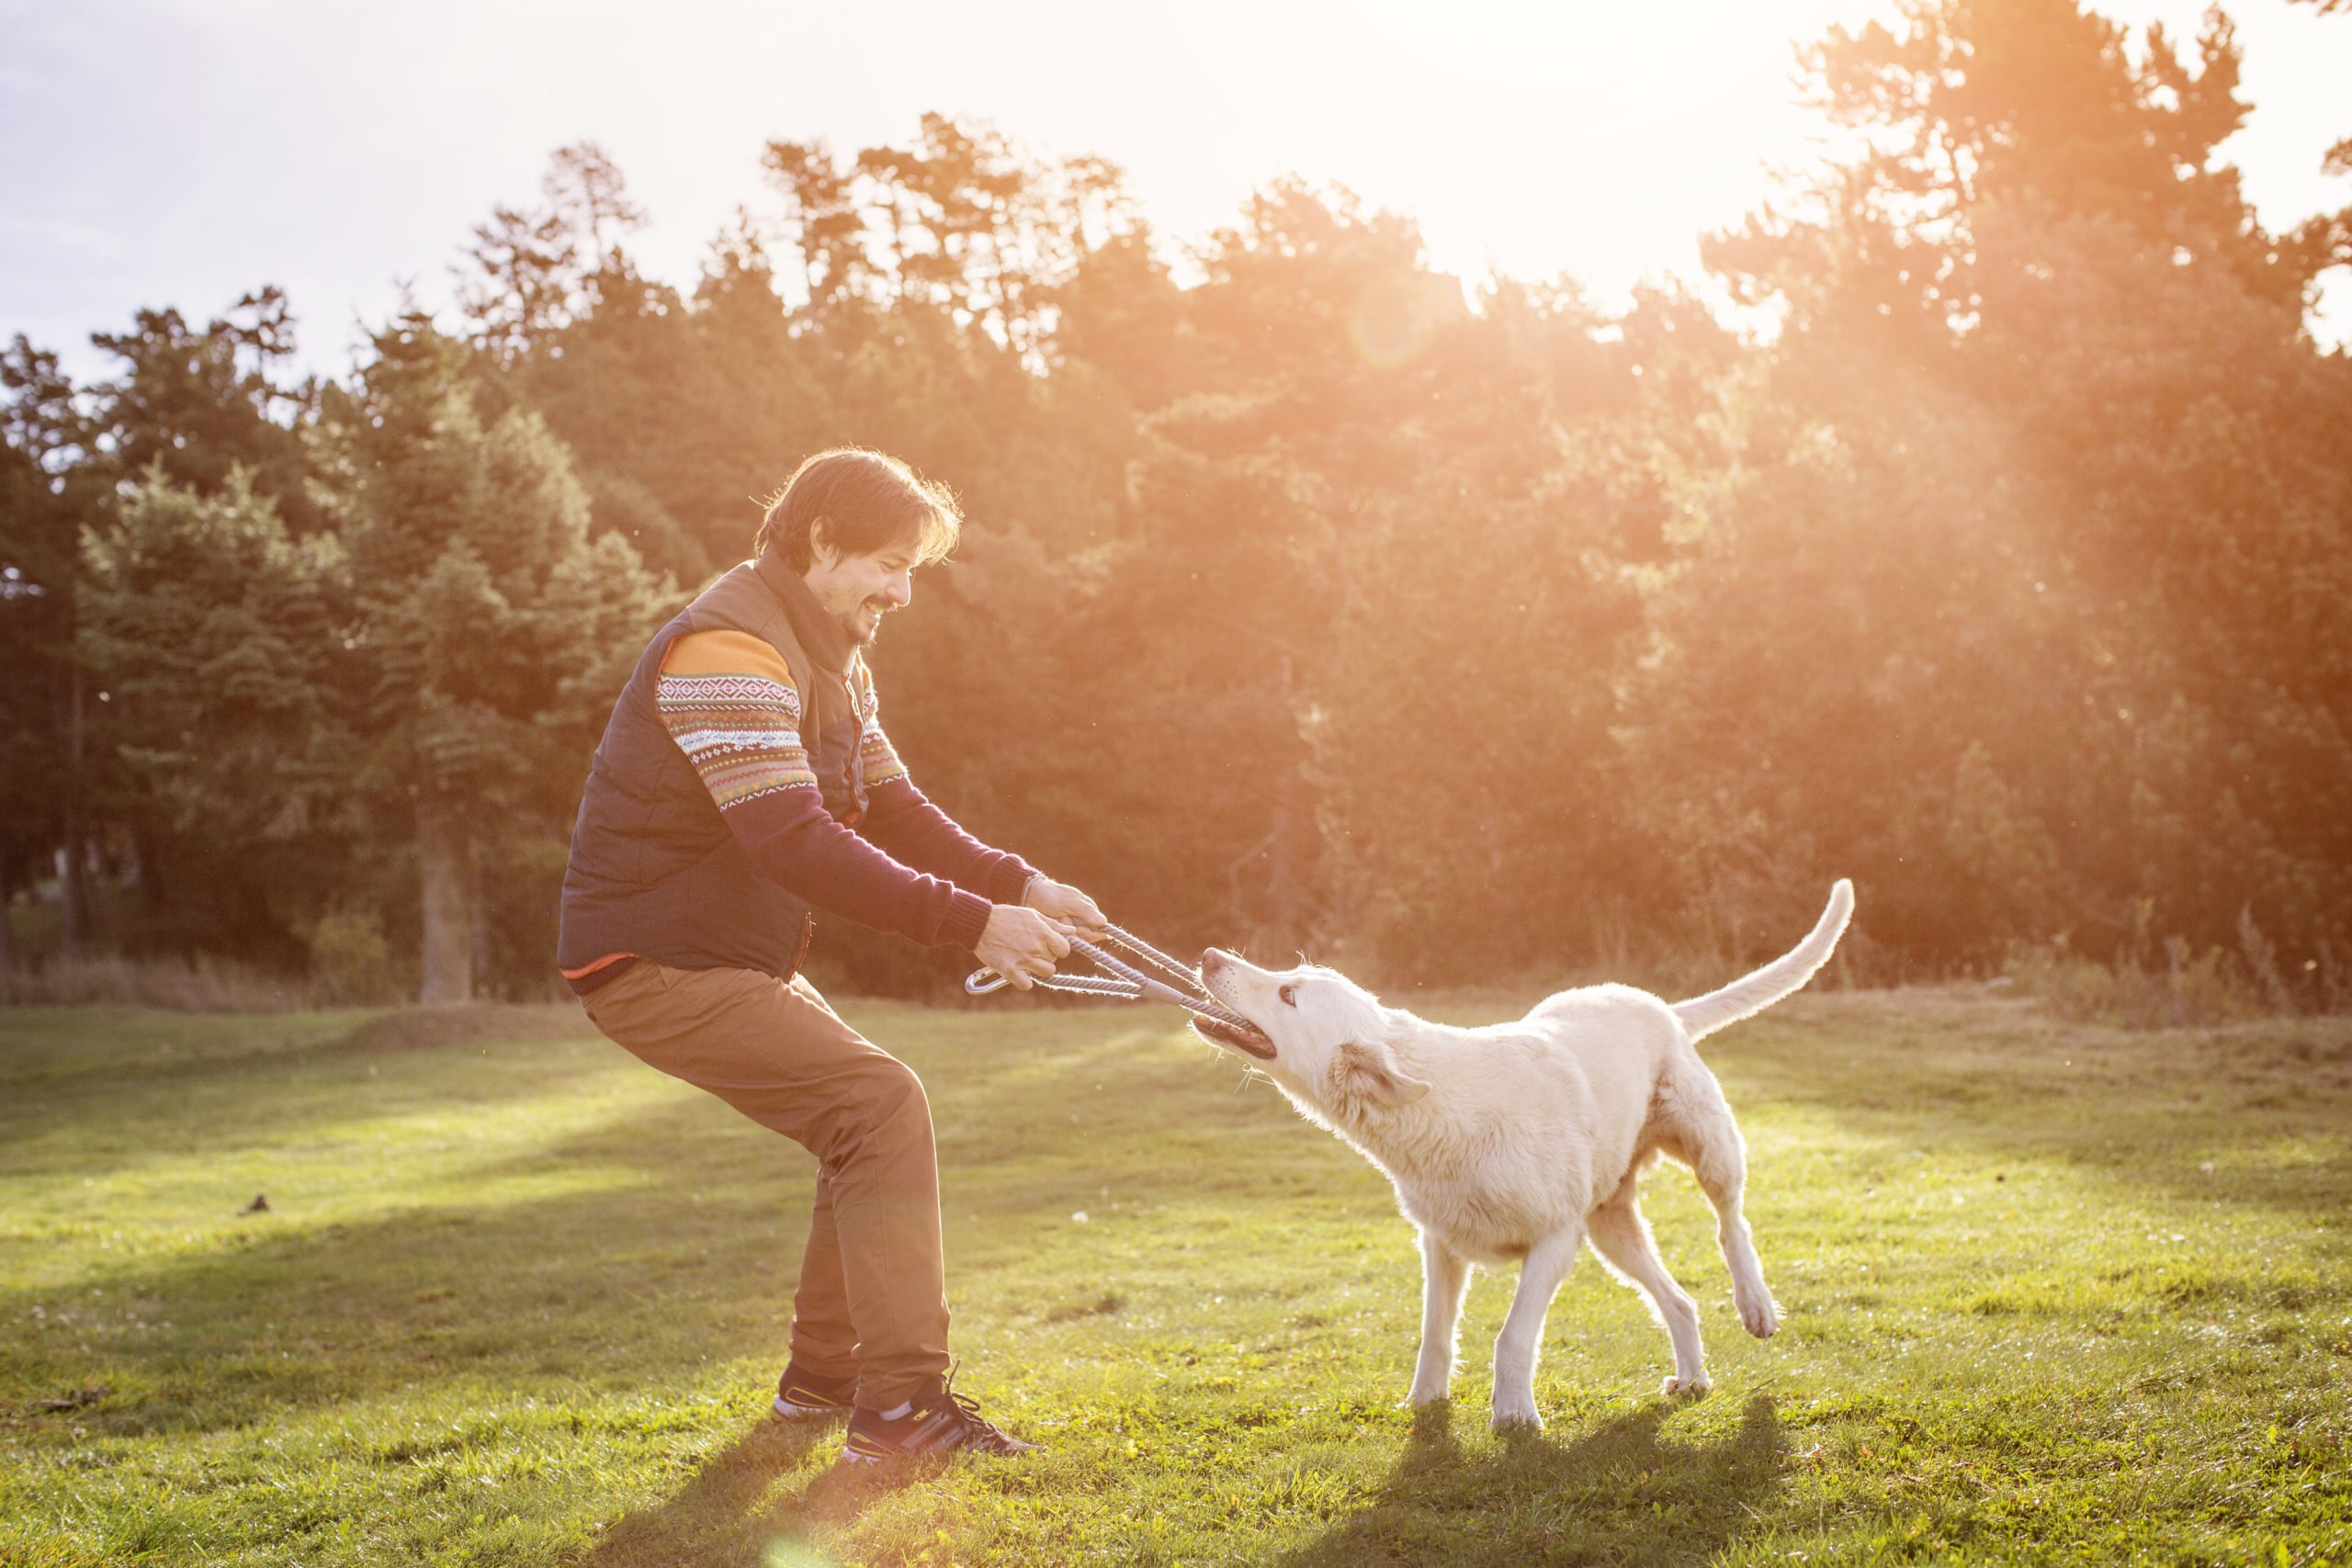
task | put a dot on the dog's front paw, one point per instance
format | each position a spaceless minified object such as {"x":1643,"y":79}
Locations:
{"x":1759,"y":1314}
{"x":1516,"y":1413}
{"x":1691,"y":1387}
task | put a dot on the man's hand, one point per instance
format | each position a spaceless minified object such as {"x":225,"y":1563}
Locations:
{"x":1058,"y":901}
{"x":1022,"y":945}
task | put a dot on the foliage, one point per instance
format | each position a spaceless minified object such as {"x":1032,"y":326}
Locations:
{"x":1311,"y":601}
{"x":351,"y":961}
{"x":201,"y":984}
{"x":2148,"y":985}
{"x":36,"y":646}
{"x":2041,"y":419}
{"x":492,"y":623}
{"x":200,"y":405}
{"x":220,"y":634}
{"x":46,"y":487}
{"x":2190,"y":990}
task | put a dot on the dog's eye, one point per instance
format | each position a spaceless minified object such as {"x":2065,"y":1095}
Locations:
{"x":1288,"y":996}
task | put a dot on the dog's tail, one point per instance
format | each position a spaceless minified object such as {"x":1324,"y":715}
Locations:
{"x":1746,"y":997}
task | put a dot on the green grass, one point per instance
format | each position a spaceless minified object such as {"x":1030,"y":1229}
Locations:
{"x":2053,"y":1294}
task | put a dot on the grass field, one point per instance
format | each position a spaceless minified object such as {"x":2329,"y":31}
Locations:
{"x":2052,"y":1294}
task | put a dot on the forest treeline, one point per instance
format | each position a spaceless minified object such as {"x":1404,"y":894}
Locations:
{"x":1306,"y":601}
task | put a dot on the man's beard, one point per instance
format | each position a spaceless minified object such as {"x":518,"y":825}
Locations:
{"x":860,"y":634}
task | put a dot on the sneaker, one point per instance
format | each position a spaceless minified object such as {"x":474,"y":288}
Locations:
{"x":941,"y":1423}
{"x":805,"y":1396}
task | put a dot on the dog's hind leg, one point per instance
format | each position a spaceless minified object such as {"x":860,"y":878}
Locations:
{"x":1540,"y":1274}
{"x":1444,"y":1275}
{"x":1622,"y":1237}
{"x":1711,"y":1145}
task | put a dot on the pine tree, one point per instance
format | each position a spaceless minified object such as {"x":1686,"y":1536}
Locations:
{"x":494,"y":627}
{"x":218,"y":635}
{"x":200,"y":402}
{"x":48,"y":486}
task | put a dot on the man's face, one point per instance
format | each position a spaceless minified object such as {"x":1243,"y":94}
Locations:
{"x":860,"y":590}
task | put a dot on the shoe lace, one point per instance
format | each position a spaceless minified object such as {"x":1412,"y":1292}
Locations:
{"x":978,"y":1427}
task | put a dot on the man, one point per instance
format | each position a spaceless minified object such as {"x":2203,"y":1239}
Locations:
{"x":743,"y":781}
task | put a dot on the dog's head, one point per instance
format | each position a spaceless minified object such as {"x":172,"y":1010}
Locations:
{"x":1320,"y":1036}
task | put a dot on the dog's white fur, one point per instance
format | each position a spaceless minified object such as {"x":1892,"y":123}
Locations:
{"x":1520,"y":1141}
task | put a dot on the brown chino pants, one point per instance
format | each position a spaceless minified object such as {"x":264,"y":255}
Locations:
{"x":873,"y":1297}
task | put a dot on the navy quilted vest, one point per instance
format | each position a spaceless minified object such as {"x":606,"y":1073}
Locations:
{"x":654,"y":869}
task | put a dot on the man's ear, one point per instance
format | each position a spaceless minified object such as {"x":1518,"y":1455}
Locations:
{"x":1371,"y":1072}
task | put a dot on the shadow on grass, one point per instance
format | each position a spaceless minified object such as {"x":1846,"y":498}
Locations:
{"x":726,"y":1515}
{"x":679,"y":1244}
{"x":688,"y":1254}
{"x":1619,"y":1493}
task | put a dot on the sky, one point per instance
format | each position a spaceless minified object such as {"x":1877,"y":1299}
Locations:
{"x":182,"y":151}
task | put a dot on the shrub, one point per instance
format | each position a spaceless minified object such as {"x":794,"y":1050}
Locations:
{"x":2189,"y":990}
{"x":196,"y":985}
{"x":351,"y":961}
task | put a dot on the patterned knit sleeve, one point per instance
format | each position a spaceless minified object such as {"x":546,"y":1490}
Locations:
{"x":877,"y":757}
{"x":728,"y":700}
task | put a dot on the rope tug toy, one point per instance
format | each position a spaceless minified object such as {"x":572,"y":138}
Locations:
{"x":1175,"y":985}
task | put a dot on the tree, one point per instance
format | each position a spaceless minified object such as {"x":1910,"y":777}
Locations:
{"x":585,"y":188}
{"x":1313,"y":601}
{"x":828,"y":230}
{"x":37,"y":784}
{"x":534,"y":270}
{"x":960,"y":221}
{"x":2329,"y":236}
{"x":494,"y":627}
{"x":217,"y":634}
{"x":48,"y":485}
{"x":528,"y":267}
{"x":1367,"y":563}
{"x":2044,"y":388}
{"x":197,"y":403}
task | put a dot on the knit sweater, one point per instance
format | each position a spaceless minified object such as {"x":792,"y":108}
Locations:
{"x":729,"y":702}
{"x":768,"y":713}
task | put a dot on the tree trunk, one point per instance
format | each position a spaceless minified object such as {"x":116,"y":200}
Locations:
{"x":72,"y":871}
{"x":445,"y":855}
{"x":1287,"y":899}
{"x":477,"y":912}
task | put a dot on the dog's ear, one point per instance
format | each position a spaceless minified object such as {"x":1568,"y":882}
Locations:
{"x":1371,"y":1071}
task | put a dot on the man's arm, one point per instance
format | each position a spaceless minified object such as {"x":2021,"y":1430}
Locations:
{"x":917,"y":833}
{"x":728,"y":700}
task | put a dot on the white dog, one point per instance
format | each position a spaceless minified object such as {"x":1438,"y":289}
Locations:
{"x":1520,"y":1141}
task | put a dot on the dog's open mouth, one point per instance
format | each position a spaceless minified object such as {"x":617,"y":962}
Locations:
{"x":1249,"y":1042}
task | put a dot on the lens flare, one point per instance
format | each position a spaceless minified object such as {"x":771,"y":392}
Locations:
{"x":1393,"y":320}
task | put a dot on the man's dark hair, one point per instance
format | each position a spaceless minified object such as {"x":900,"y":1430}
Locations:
{"x":867,"y":501}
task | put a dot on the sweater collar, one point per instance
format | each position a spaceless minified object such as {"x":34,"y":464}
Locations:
{"x":820,"y":634}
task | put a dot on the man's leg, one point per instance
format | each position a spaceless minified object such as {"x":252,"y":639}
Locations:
{"x":824,"y":1339}
{"x":780,"y":1056}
